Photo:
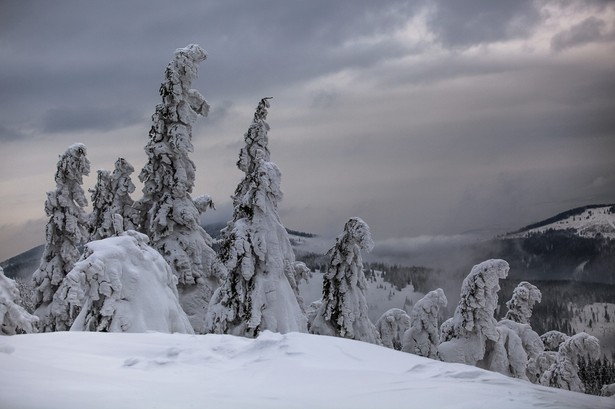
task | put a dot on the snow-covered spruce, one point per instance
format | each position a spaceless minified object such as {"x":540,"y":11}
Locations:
{"x":66,"y":229}
{"x":121,"y":284}
{"x":464,"y":336}
{"x":537,"y":365}
{"x":564,"y":372}
{"x":169,"y":216}
{"x":505,"y":354}
{"x":13,"y":317}
{"x":530,"y":342}
{"x":391,"y":327}
{"x":343,"y":312}
{"x":423,"y":336}
{"x":553,"y":339}
{"x":260,"y":292}
{"x":101,"y":220}
{"x":524,"y":296}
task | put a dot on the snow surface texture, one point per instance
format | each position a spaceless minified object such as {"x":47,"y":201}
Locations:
{"x":564,"y":372}
{"x":343,"y":312}
{"x":72,"y":370}
{"x":465,"y":334}
{"x":121,"y":284}
{"x":423,"y":336}
{"x":169,"y":215}
{"x":13,"y":317}
{"x":66,"y":229}
{"x":392,"y":326}
{"x":261,"y":289}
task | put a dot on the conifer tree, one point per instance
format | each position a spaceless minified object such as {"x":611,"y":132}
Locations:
{"x":169,"y":215}
{"x":259,"y":291}
{"x":13,"y":317}
{"x":524,"y":296}
{"x":423,"y":337}
{"x":343,"y":312}
{"x":101,"y":223}
{"x":66,"y":229}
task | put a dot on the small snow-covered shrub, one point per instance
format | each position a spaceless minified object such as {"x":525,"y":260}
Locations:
{"x":423,"y":337}
{"x":13,"y":317}
{"x":391,"y":326}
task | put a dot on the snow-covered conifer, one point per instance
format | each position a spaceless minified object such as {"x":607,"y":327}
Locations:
{"x":13,"y":317}
{"x":169,"y":216}
{"x":564,"y":373}
{"x":343,"y":312}
{"x":311,"y":311}
{"x":540,"y":364}
{"x":423,"y":336}
{"x":101,"y":220}
{"x":121,"y":284}
{"x":66,"y":229}
{"x":391,"y":327}
{"x":122,"y":187}
{"x":505,"y":354}
{"x":473,"y":323}
{"x":553,"y":339}
{"x":524,"y":296}
{"x":258,"y":293}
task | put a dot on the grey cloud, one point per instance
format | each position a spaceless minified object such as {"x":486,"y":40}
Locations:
{"x":10,"y":134}
{"x":88,"y":118}
{"x":590,"y":30}
{"x":463,"y":23}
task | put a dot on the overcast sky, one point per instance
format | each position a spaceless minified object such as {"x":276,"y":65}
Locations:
{"x":427,"y":119}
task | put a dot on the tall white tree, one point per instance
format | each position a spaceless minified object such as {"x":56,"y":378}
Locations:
{"x":343,"y":312}
{"x":66,"y":229}
{"x":101,"y":219}
{"x":122,"y":187}
{"x":13,"y":317}
{"x":423,"y":336}
{"x":520,"y":306}
{"x":564,"y":372}
{"x":259,"y":291}
{"x":473,"y":323}
{"x":169,"y":216}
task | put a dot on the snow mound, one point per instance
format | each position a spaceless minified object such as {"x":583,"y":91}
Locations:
{"x":112,"y":370}
{"x":124,"y":285}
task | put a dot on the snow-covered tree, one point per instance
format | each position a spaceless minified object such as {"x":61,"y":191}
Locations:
{"x":110,"y":197}
{"x":169,"y":216}
{"x":505,"y":354}
{"x":524,"y":296}
{"x":121,"y":284}
{"x":260,"y":291}
{"x":391,"y":327}
{"x":473,"y":323}
{"x":564,"y":372}
{"x":66,"y":229}
{"x":343,"y":312}
{"x":423,"y":336}
{"x":13,"y":317}
{"x":311,"y":311}
{"x":101,"y":219}
{"x":553,"y":339}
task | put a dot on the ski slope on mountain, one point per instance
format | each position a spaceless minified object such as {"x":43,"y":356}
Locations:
{"x":75,"y":370}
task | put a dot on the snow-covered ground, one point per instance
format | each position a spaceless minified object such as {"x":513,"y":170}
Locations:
{"x":67,"y":370}
{"x":599,"y":220}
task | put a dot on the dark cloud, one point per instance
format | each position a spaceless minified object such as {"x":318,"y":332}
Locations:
{"x":463,"y":23}
{"x":88,"y":118}
{"x":590,"y":30}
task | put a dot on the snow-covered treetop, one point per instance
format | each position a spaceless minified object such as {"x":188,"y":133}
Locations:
{"x":356,"y":232}
{"x":579,"y":345}
{"x":73,"y":165}
{"x":553,"y":339}
{"x":479,"y":298}
{"x":524,"y":296}
{"x":256,"y":139}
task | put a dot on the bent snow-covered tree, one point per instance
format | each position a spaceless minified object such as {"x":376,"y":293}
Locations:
{"x":524,"y":296}
{"x":391,"y":327}
{"x":564,"y":372}
{"x":13,"y":317}
{"x":343,"y":312}
{"x":121,"y":284}
{"x":473,"y":323}
{"x":169,"y":215}
{"x":257,"y":294}
{"x":66,"y":229}
{"x":423,"y":336}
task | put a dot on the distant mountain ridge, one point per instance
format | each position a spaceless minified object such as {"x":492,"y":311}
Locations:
{"x":589,"y":221}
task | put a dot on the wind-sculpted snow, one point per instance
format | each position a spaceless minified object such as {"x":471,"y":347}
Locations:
{"x":76,"y":370}
{"x":13,"y":317}
{"x":121,"y":284}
